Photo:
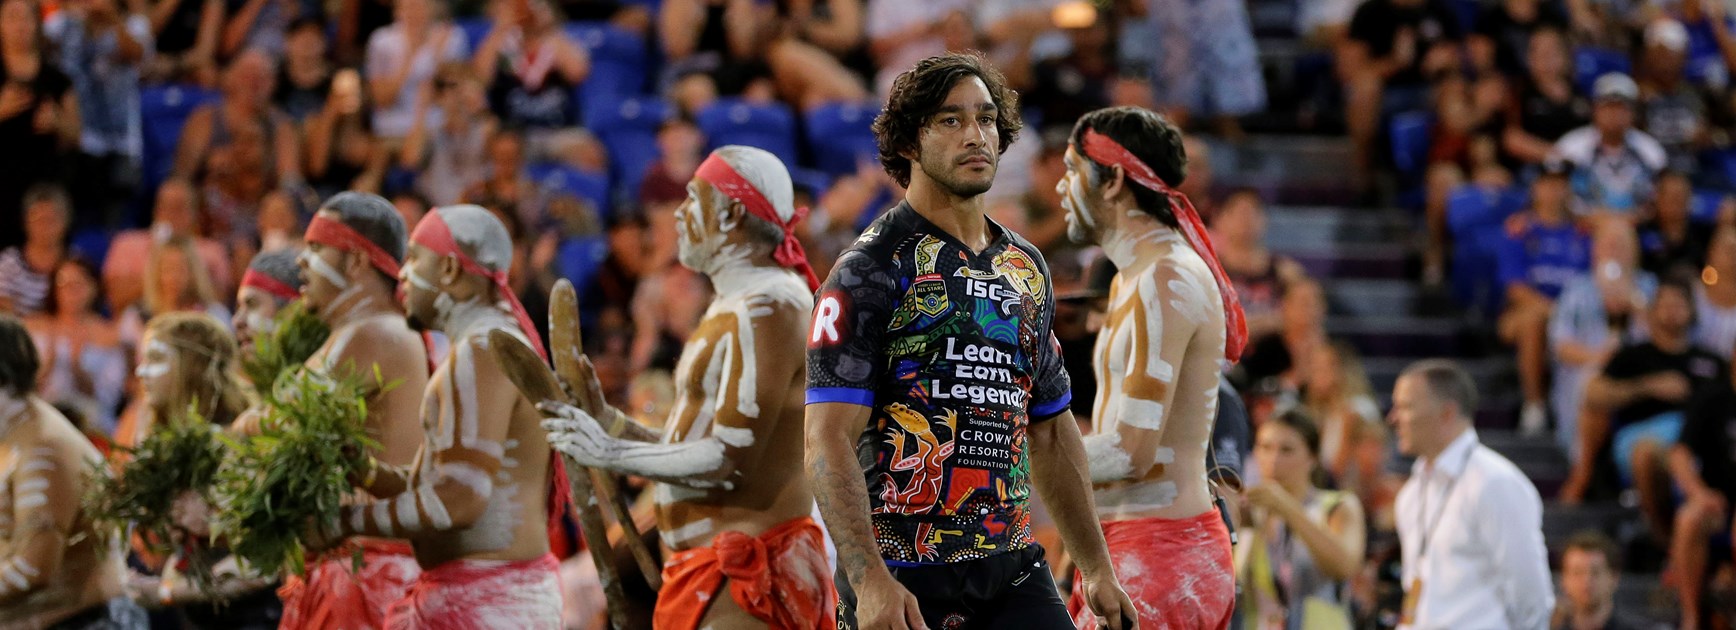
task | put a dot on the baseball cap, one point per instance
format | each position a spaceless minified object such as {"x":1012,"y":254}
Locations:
{"x":1667,"y":33}
{"x":1615,"y":86}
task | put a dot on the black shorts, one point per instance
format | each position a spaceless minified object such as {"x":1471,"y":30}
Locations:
{"x":1012,"y":590}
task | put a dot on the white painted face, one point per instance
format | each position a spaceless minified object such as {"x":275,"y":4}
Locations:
{"x":702,"y":224}
{"x":425,"y":305}
{"x":255,"y":311}
{"x":155,"y":361}
{"x":1075,"y":200}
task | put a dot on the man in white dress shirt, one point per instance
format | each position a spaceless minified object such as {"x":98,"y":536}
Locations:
{"x":1469,"y":523}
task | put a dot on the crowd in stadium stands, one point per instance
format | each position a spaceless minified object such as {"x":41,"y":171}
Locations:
{"x":1572,"y":162}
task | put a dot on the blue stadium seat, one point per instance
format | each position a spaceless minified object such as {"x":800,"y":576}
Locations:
{"x":1476,"y":219}
{"x":475,"y":30}
{"x":1411,"y":133}
{"x":620,"y":61}
{"x":769,"y":126}
{"x":560,"y":178}
{"x":1466,"y":11}
{"x":163,"y":110}
{"x":628,"y":129}
{"x":1590,"y":62}
{"x":1704,"y":209}
{"x":92,"y":244}
{"x":839,"y":136}
{"x":815,"y":182}
{"x":579,"y":259}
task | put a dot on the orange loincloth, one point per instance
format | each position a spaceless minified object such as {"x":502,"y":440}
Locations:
{"x":1178,"y":572}
{"x":483,"y":595}
{"x":780,"y":578}
{"x":335,"y":596}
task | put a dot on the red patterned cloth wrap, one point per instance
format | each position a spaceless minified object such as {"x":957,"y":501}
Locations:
{"x":483,"y":595}
{"x":335,"y":596}
{"x":780,"y":577}
{"x":1178,"y":572}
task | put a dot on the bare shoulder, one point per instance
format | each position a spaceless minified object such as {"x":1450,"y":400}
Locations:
{"x":53,"y":438}
{"x":387,"y":341}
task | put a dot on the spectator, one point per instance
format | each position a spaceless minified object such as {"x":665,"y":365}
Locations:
{"x":1304,"y":542}
{"x":1639,"y":399}
{"x":186,"y":34}
{"x":1543,"y":250}
{"x":1353,"y":443}
{"x":1596,"y":315}
{"x":902,"y":33}
{"x":1672,"y":110}
{"x":411,"y":207}
{"x":172,"y":285}
{"x":1205,"y":61}
{"x":1590,"y":571}
{"x":26,"y":270}
{"x":1702,"y":465}
{"x":505,"y":186}
{"x":175,"y":215}
{"x":39,"y":123}
{"x":1239,"y":233}
{"x":260,"y":25}
{"x":83,"y":365}
{"x":669,"y":301}
{"x":1394,"y":46}
{"x":100,"y":49}
{"x":783,"y":42}
{"x":448,"y":144}
{"x":1669,"y":239}
{"x":244,"y":116}
{"x":1545,"y":104}
{"x":1460,"y":571}
{"x":1614,"y":163}
{"x":1274,"y":364}
{"x":1324,"y":24}
{"x":1501,"y":37}
{"x":529,"y":66}
{"x":341,"y":153}
{"x":1037,"y":214}
{"x":235,"y":180}
{"x":402,"y":57}
{"x":1715,"y":295}
{"x":1065,"y":87}
{"x":1711,"y":42}
{"x":304,"y":81}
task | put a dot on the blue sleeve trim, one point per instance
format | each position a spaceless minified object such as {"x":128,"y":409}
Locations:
{"x":851,"y":395}
{"x":1050,"y":409}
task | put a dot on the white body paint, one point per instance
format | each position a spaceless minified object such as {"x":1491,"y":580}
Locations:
{"x":325,"y":270}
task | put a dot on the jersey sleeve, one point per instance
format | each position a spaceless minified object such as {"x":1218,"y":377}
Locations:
{"x":847,"y":332}
{"x":1052,"y":389}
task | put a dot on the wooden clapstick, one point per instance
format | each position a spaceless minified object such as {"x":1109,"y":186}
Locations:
{"x":533,"y":378}
{"x":567,"y":348}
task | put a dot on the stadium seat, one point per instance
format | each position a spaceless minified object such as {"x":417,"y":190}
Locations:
{"x":560,"y":178}
{"x":839,"y":136}
{"x":475,"y":30}
{"x":1704,"y":209}
{"x":1411,"y":133}
{"x":769,"y":126}
{"x":1476,"y":219}
{"x":92,"y":244}
{"x":620,"y":61}
{"x":1590,"y":62}
{"x":628,"y":129}
{"x":163,"y":110}
{"x":816,"y":183}
{"x":579,"y":259}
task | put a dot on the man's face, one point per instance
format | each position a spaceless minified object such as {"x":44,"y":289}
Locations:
{"x":1080,"y":200}
{"x":1613,"y":116}
{"x":1673,"y":198}
{"x":322,"y":275}
{"x":1414,"y":415}
{"x":1586,"y":579}
{"x":1549,"y":193}
{"x":1672,"y":311}
{"x":699,"y":234}
{"x":44,"y":220}
{"x":175,"y":207}
{"x":959,"y":147}
{"x":254,"y":313}
{"x":1241,"y":219}
{"x":419,"y":288}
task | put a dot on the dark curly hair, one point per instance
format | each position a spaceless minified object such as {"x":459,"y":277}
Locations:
{"x":18,"y":359}
{"x":921,"y":90}
{"x":1148,"y":136}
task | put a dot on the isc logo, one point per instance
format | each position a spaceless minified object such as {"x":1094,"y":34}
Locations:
{"x":987,"y":290}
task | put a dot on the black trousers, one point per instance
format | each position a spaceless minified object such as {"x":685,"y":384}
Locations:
{"x":1012,"y":590}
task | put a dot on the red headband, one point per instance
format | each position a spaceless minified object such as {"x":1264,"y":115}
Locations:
{"x":1103,"y":150}
{"x":789,"y":253}
{"x":277,"y":288}
{"x":332,"y":233}
{"x":434,"y":234}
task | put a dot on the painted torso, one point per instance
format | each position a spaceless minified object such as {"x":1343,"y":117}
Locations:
{"x":389,"y":340}
{"x":1167,"y":282}
{"x":719,"y":375}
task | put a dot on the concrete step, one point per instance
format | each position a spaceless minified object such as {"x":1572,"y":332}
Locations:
{"x":1406,"y":336}
{"x":1538,"y":457}
{"x":1374,"y":262}
{"x":1326,"y":227}
{"x":1372,"y":297}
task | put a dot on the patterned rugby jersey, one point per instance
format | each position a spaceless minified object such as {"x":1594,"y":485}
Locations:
{"x":954,"y":353}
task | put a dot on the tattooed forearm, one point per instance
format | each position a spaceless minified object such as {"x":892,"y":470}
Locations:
{"x":842,"y":494}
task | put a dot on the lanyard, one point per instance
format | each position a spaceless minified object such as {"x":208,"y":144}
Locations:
{"x":1434,"y":526}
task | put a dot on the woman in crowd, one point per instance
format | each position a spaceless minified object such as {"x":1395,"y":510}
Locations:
{"x":403,"y":56}
{"x":1715,"y":298}
{"x":1303,"y":543}
{"x":25,"y":269}
{"x":83,"y":364}
{"x":530,"y":67}
{"x":1239,"y":232}
{"x":1353,"y":442}
{"x":174,"y":282}
{"x":39,"y":123}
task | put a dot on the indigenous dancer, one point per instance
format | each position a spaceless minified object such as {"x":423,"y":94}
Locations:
{"x":936,"y":391}
{"x":272,"y":281}
{"x":1172,"y":317}
{"x":732,"y":503}
{"x":354,"y":245}
{"x":476,"y":503}
{"x":55,"y":570}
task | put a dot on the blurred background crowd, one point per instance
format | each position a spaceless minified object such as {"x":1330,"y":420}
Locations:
{"x":1540,"y":188}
